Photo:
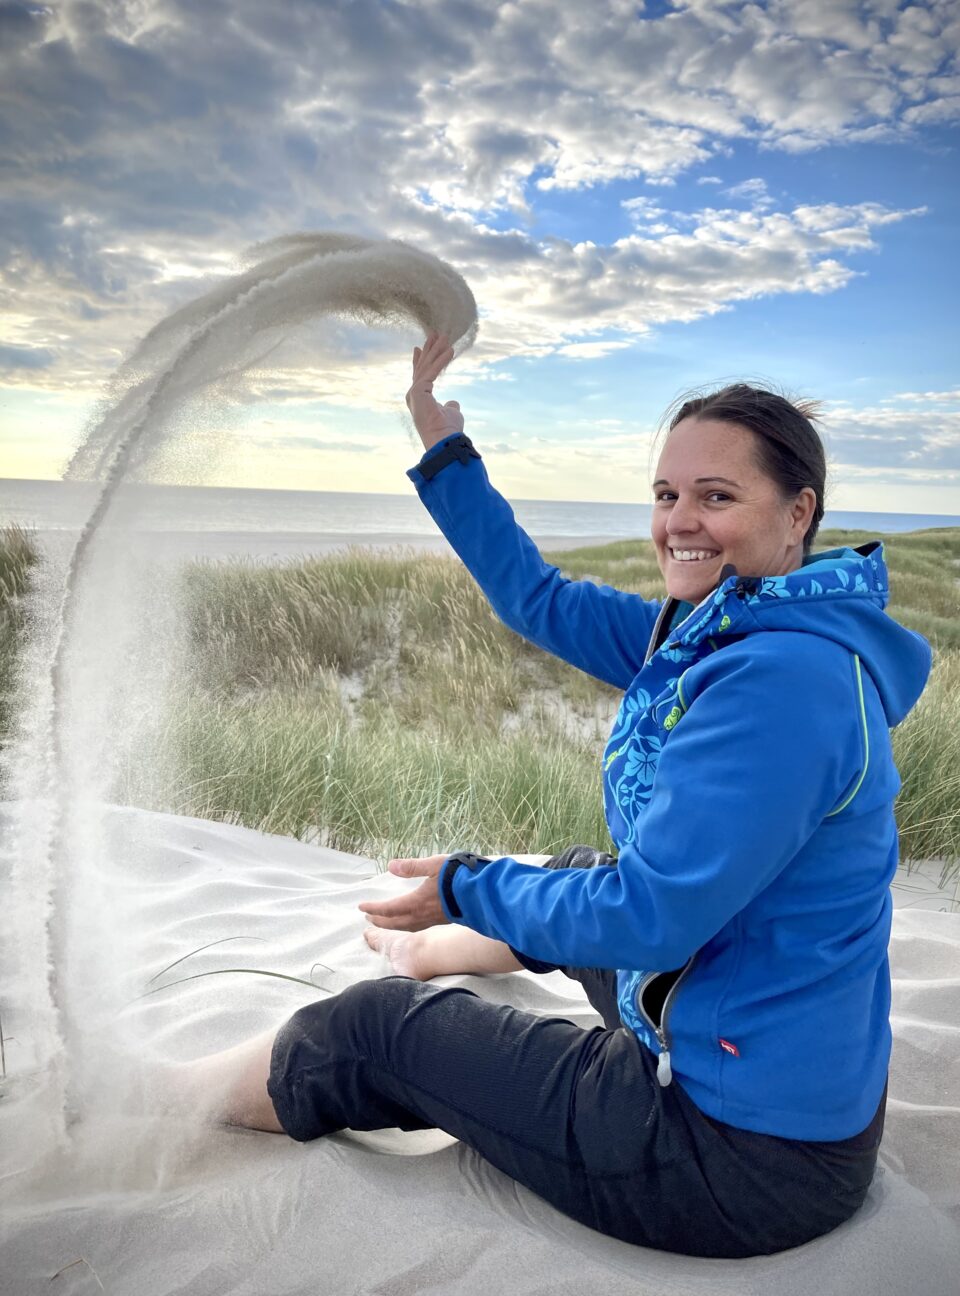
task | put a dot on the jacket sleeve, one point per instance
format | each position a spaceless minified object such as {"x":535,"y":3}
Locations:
{"x":745,"y":779}
{"x":596,"y":628}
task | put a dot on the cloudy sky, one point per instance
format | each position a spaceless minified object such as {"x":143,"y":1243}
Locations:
{"x":644,"y":198}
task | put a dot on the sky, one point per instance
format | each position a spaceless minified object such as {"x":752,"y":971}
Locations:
{"x":644,"y":198}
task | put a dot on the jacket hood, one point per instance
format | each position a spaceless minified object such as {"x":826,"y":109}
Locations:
{"x":839,"y":594}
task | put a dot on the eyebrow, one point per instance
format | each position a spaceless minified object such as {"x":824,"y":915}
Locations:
{"x":662,"y":481}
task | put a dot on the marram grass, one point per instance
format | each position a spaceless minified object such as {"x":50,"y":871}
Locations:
{"x":294,"y":763}
{"x":17,"y":556}
{"x":374,"y":703}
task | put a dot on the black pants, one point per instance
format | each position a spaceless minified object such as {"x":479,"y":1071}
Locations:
{"x":575,"y":1115}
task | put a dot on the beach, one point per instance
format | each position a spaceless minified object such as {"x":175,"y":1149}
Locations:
{"x":325,"y":718}
{"x":146,"y":1198}
{"x":288,"y":546}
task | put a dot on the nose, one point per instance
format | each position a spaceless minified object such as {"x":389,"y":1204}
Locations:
{"x":682,"y":517}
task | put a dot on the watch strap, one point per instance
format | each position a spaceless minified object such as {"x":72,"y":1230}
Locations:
{"x":459,"y":448}
{"x":462,"y":859}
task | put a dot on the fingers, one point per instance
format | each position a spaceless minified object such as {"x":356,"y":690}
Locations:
{"x":383,"y":908}
{"x":427,"y":866}
{"x":410,"y":867}
{"x":398,"y":924}
{"x":393,"y":915}
{"x":435,"y":355}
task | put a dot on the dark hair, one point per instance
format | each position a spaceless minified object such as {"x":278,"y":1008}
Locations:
{"x":787,"y":447}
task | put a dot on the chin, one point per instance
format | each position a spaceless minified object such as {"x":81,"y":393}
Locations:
{"x":690,"y":595}
{"x":690,"y":589}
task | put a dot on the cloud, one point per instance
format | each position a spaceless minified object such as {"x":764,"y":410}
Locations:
{"x":953,"y":396}
{"x":540,"y":296}
{"x":754,"y":191}
{"x":921,"y":443}
{"x":590,"y":350}
{"x":904,"y":445}
{"x":930,"y":114}
{"x":25,"y":357}
{"x":146,"y":144}
{"x":346,"y":446}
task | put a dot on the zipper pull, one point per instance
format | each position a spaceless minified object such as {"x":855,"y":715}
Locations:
{"x":664,"y":1070}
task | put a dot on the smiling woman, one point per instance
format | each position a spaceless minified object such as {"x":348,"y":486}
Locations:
{"x":735,"y":949}
{"x":762,"y":516}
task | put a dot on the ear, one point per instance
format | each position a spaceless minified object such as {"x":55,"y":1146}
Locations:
{"x":801,"y":511}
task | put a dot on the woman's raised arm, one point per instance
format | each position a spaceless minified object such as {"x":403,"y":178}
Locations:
{"x":596,"y":628}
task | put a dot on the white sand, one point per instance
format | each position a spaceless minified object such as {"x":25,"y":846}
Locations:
{"x":204,"y":1212}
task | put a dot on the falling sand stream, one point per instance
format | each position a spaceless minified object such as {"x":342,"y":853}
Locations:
{"x":100,"y":656}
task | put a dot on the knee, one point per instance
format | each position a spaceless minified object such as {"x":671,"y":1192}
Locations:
{"x":377,"y":1010}
{"x":364,"y":1018}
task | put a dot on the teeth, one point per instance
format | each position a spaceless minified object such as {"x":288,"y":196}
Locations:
{"x":692,"y":555}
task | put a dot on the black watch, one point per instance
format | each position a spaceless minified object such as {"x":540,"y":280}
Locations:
{"x":461,"y":858}
{"x":460,"y":448}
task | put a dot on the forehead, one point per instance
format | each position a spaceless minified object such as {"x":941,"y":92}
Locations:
{"x":708,"y":447}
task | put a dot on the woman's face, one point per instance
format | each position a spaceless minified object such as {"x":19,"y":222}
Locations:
{"x":710,"y":497}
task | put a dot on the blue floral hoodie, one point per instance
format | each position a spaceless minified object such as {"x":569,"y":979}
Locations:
{"x":748,"y":787}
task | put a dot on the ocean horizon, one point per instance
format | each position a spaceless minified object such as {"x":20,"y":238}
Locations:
{"x":45,"y":506}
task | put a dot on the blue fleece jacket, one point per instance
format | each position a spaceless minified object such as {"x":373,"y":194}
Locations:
{"x":749,"y":788}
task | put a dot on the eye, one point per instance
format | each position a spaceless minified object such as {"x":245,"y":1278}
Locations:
{"x":659,"y":496}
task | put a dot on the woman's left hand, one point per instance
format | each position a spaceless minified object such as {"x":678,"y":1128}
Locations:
{"x":418,"y":908}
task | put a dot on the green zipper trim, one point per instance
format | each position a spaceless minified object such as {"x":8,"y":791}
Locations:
{"x":680,"y":697}
{"x":866,"y":742}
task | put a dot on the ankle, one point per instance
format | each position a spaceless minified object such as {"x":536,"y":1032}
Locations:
{"x":424,"y":954}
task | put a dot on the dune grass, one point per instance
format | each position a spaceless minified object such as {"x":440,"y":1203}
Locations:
{"x":374,"y":703}
{"x":17,"y":556}
{"x":294,"y":762}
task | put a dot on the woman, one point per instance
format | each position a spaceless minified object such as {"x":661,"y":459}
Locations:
{"x":736,"y":949}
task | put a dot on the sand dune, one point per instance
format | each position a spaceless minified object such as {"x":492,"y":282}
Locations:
{"x":163,"y":1206}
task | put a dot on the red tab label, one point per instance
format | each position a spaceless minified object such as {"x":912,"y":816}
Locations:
{"x":729,"y":1048}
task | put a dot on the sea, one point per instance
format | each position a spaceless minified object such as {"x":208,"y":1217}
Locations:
{"x":221,"y":519}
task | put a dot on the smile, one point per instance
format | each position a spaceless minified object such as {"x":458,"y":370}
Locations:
{"x":693,"y":555}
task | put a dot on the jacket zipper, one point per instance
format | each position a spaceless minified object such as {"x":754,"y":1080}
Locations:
{"x":665,"y":615}
{"x":664,"y":1069}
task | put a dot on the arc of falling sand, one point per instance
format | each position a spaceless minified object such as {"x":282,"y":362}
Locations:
{"x":385,"y":282}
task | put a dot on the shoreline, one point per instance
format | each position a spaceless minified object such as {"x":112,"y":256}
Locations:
{"x":290,"y":546}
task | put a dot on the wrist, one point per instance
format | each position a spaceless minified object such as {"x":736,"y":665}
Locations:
{"x":462,"y":859}
{"x":431,"y":439}
{"x":456,"y":446}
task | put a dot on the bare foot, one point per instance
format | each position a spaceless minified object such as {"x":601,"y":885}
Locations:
{"x":404,"y":950}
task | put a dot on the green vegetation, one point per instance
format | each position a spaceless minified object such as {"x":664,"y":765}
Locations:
{"x":17,"y":556}
{"x":374,"y":703}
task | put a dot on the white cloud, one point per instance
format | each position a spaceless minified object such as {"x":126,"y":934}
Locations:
{"x":590,"y":350}
{"x":539,"y":297}
{"x":928,"y":114}
{"x":922,"y":443}
{"x":953,"y":396}
{"x":754,"y":191}
{"x":149,"y":141}
{"x":295,"y":442}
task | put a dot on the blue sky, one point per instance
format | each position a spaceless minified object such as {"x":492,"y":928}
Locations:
{"x":644,"y":199}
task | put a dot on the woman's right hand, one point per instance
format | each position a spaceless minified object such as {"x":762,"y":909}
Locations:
{"x":432,"y":421}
